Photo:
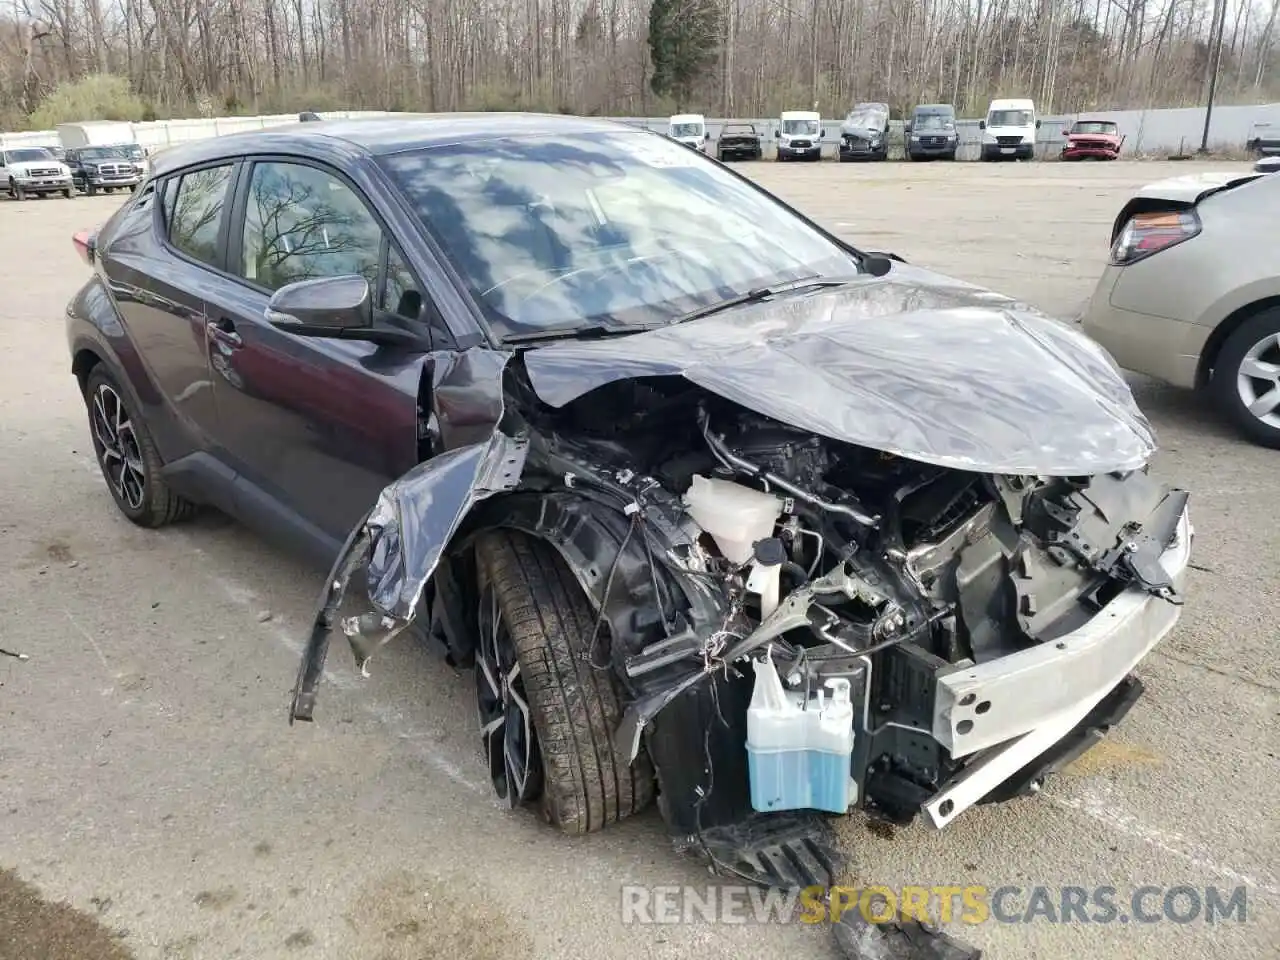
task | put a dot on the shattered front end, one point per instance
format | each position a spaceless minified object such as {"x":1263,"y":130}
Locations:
{"x":817,"y":585}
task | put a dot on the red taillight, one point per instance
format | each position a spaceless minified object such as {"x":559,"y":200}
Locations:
{"x":1148,"y":233}
{"x":84,"y":244}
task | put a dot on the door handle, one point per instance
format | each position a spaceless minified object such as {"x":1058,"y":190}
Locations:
{"x":223,"y":331}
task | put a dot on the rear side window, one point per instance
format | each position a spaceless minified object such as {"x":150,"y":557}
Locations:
{"x":194,"y":206}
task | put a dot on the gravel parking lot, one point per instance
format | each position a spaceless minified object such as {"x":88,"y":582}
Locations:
{"x":148,"y":777}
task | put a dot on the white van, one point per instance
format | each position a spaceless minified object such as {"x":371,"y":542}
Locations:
{"x":1009,"y":131}
{"x":799,"y":135}
{"x":689,"y":129}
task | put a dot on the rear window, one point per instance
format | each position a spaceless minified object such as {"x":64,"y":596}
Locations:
{"x":193,"y":207}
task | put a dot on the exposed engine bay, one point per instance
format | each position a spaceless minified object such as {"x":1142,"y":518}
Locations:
{"x":752,"y":573}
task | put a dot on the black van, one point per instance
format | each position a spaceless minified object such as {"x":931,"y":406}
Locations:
{"x":931,"y":132}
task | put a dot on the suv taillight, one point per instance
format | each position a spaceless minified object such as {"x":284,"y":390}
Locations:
{"x":1148,"y":233}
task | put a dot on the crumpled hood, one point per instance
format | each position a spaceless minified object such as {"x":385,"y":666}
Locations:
{"x":860,"y":130}
{"x":1111,"y":138}
{"x":913,"y":364}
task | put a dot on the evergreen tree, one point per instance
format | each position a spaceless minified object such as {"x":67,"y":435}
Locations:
{"x":684,"y":36}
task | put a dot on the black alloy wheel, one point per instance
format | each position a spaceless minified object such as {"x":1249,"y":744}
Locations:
{"x":507,"y":732}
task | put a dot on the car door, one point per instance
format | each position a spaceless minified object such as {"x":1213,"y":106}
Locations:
{"x":158,"y":289}
{"x":315,"y":426}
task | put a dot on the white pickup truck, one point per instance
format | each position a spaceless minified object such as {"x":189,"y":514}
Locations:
{"x":34,"y":171}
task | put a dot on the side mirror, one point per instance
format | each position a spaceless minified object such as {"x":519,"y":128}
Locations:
{"x":707,"y":135}
{"x":326,"y":305}
{"x":982,"y":124}
{"x":822,"y":132}
{"x":777,"y":134}
{"x":1037,"y":124}
{"x":906,"y":128}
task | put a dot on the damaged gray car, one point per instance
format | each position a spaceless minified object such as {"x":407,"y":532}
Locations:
{"x":721,"y":511}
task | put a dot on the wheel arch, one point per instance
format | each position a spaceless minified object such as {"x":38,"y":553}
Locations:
{"x":1221,"y":333}
{"x":598,"y":544}
{"x":83,"y":361}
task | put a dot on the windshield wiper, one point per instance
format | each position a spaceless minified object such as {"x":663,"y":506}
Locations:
{"x":764,"y":293}
{"x":592,"y":331}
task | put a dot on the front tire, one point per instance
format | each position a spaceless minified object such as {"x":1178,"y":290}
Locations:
{"x":547,"y":700}
{"x":127,"y":456}
{"x":1246,"y":378}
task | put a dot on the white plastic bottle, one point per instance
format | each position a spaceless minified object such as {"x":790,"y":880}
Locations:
{"x":799,"y":751}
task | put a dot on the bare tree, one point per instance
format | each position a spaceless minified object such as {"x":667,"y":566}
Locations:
{"x":591,"y":56}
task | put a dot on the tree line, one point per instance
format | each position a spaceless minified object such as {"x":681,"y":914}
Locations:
{"x":145,"y":59}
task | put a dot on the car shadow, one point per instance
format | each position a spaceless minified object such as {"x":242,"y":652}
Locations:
{"x":1176,"y":410}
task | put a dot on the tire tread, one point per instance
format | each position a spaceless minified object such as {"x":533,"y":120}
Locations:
{"x":576,"y":707}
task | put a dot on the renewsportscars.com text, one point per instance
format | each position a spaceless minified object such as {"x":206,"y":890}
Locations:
{"x":970,"y":904}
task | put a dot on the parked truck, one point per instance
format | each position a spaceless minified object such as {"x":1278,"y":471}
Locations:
{"x":104,"y":133}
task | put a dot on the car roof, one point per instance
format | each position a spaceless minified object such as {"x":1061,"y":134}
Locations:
{"x":935,"y":106}
{"x":376,"y":136}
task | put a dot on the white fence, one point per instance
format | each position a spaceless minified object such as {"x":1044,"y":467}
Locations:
{"x":1154,"y":132}
{"x":157,"y":134}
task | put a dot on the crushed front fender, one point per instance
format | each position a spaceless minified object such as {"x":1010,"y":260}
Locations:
{"x":398,"y":545}
{"x":399,"y":542}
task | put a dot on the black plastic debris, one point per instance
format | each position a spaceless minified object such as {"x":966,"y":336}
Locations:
{"x":898,"y":939}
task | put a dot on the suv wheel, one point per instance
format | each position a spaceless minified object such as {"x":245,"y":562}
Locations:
{"x":1246,"y":377}
{"x":127,"y":456}
{"x":548,"y":707}
{"x":16,"y":191}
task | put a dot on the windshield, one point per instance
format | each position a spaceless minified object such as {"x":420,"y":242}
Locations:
{"x":103,"y":153}
{"x":799,"y":128}
{"x":933,"y":121}
{"x":686,"y":130}
{"x":611,"y":228}
{"x":1095,"y":126}
{"x":735,"y":129}
{"x":872,"y":115}
{"x":27,"y":155}
{"x":1010,"y":118}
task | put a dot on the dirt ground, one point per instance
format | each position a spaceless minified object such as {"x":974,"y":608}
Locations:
{"x":148,"y":777}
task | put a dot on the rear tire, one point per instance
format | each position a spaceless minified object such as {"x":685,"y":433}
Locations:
{"x":1246,"y":374}
{"x":68,"y":193}
{"x":127,"y":456}
{"x":572,"y":705}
